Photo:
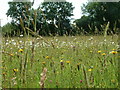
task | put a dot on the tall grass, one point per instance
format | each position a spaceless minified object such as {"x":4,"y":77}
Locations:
{"x":71,"y":62}
{"x":60,"y":62}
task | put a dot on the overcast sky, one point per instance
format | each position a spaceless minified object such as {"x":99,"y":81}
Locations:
{"x":4,"y":7}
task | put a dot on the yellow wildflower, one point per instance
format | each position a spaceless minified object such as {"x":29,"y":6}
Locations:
{"x":47,"y":57}
{"x":99,"y":51}
{"x":89,"y":70}
{"x":113,"y":52}
{"x":113,"y":49}
{"x":15,"y":70}
{"x":20,"y":50}
{"x":103,"y":54}
{"x":43,"y":62}
{"x":11,"y":54}
{"x":61,"y":60}
{"x":68,"y":62}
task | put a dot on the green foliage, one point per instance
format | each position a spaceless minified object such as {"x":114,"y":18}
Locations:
{"x":53,"y":18}
{"x":9,"y":29}
{"x":57,"y":15}
{"x":50,"y":17}
{"x":74,"y":62}
{"x":100,"y":13}
{"x":19,"y":10}
{"x":20,"y":13}
{"x":83,"y":23}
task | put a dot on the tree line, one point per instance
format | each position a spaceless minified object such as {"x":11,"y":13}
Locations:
{"x":54,"y":18}
{"x":96,"y":15}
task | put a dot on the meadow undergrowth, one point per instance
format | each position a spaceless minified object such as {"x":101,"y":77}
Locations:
{"x":71,"y":62}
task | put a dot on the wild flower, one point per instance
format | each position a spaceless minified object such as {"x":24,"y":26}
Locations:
{"x":14,"y":43}
{"x":105,"y":40}
{"x":103,"y":54}
{"x":113,"y":49}
{"x":20,"y":41}
{"x":113,"y":52}
{"x":50,"y":81}
{"x":11,"y":54}
{"x":38,"y":38}
{"x":112,"y":42}
{"x":91,"y":67}
{"x":72,"y":46}
{"x":47,"y":57}
{"x":81,"y":81}
{"x":62,"y":64}
{"x":67,"y":62}
{"x":21,"y":35}
{"x":61,"y":60}
{"x":12,"y":40}
{"x":43,"y":62}
{"x":90,"y":70}
{"x":7,"y":43}
{"x":20,"y":50}
{"x":15,"y":70}
{"x":99,"y":51}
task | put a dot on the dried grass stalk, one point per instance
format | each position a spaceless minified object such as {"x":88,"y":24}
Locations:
{"x":43,"y":78}
{"x":85,"y":77}
{"x":33,"y":52}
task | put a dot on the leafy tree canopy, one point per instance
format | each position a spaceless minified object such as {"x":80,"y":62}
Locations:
{"x":58,"y":13}
{"x":100,"y":13}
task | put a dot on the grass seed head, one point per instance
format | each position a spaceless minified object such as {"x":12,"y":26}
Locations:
{"x":43,"y":78}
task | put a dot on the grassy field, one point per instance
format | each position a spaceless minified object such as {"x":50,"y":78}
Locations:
{"x":60,"y":62}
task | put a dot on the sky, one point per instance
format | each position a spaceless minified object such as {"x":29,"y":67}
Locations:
{"x":4,"y":7}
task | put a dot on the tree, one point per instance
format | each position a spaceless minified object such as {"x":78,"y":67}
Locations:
{"x":100,"y":13}
{"x":58,"y":15}
{"x":49,"y":18}
{"x":84,"y":23}
{"x":20,"y":13}
{"x":9,"y":29}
